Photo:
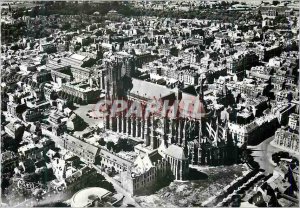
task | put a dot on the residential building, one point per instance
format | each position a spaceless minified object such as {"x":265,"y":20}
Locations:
{"x":80,"y":148}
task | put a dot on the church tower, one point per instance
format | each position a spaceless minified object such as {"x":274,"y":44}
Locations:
{"x":114,"y":76}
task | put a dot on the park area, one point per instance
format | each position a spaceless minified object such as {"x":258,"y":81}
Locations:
{"x":208,"y":182}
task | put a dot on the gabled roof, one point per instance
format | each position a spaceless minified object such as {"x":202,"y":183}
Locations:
{"x":142,"y":164}
{"x":154,"y":157}
{"x":176,"y":152}
{"x":149,"y":90}
{"x":77,"y":57}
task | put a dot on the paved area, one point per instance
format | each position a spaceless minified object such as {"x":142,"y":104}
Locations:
{"x":83,"y":110}
{"x":262,"y":154}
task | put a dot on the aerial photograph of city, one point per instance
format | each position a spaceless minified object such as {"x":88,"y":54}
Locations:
{"x":146,"y":103}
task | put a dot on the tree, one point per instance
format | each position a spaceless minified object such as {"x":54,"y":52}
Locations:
{"x":174,"y":51}
{"x":53,"y":95}
{"x":66,"y":26}
{"x":77,"y":46}
{"x":102,"y":142}
{"x":116,"y":148}
{"x":123,"y":145}
{"x":110,"y":145}
{"x":14,"y":47}
{"x":280,"y":19}
{"x":278,"y":155}
{"x":98,"y":160}
{"x":224,"y":4}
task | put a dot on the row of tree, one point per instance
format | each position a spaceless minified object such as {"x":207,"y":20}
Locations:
{"x":121,"y":145}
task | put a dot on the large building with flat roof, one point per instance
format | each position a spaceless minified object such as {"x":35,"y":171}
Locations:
{"x":81,"y":90}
